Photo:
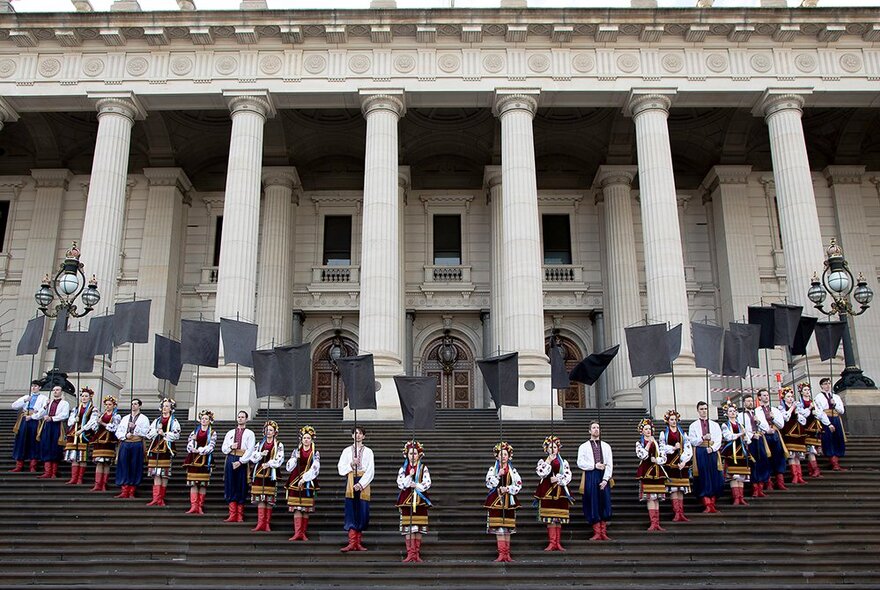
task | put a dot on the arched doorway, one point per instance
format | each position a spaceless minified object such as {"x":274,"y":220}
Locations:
{"x":574,"y":396}
{"x":449,"y":359}
{"x":327,"y":388}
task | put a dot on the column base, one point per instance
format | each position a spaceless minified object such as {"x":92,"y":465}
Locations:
{"x":216,"y":392}
{"x":690,"y":388}
{"x":627,"y":398}
{"x":862,"y":416}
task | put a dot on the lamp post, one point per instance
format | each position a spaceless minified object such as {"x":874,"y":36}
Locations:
{"x":69,"y":284}
{"x":837,"y":280}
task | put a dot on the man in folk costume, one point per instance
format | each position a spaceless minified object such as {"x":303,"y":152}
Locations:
{"x":104,"y":442}
{"x":199,"y":461}
{"x":553,"y":498}
{"x":504,"y":484}
{"x":735,"y":453}
{"x":164,"y":431}
{"x":758,"y":448}
{"x":705,"y":436}
{"x":650,"y":473}
{"x":679,"y":453}
{"x":267,"y":457}
{"x":816,"y":424}
{"x":413,"y":481}
{"x":304,"y":466}
{"x":772,"y":421}
{"x":356,"y":466}
{"x":597,"y":463}
{"x":50,"y":434}
{"x":834,"y":436}
{"x":237,"y":443}
{"x":81,"y":424}
{"x":131,"y":432}
{"x":25,"y":447}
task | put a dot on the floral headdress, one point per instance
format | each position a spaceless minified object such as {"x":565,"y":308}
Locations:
{"x":271,"y":423}
{"x":307,"y":430}
{"x":645,"y":422}
{"x":207,"y":413}
{"x":413,"y":444}
{"x":670,"y":413}
{"x":170,"y":401}
{"x":802,"y":385}
{"x":88,"y":390}
{"x":552,"y":440}
{"x":501,"y":447}
{"x":785,"y":390}
{"x":111,"y":399}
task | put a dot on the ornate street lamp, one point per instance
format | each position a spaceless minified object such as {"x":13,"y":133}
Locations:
{"x":837,"y":280}
{"x":336,"y":350}
{"x":68,"y":284}
{"x":447,"y":353}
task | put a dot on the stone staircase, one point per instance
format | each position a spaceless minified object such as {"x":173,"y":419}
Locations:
{"x":824,"y":534}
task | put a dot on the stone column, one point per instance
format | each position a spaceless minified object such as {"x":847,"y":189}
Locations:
{"x":381,"y":321}
{"x":409,"y":354}
{"x":101,"y":242}
{"x":280,"y":184}
{"x":522,"y":276}
{"x":492,"y":183}
{"x":623,"y":304}
{"x":798,"y":217}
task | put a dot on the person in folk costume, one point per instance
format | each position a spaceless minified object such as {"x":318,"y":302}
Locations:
{"x":705,"y":436}
{"x":679,"y":453}
{"x":504,"y":484}
{"x":132,"y":431}
{"x":758,"y":448}
{"x":596,"y":461}
{"x":199,"y":461}
{"x":817,"y":421}
{"x":414,"y":481}
{"x":104,"y":442}
{"x":650,"y":473}
{"x":552,"y":495}
{"x":357,"y":467}
{"x":164,"y":431}
{"x":50,"y":434}
{"x":237,"y":443}
{"x":834,"y":436}
{"x":772,"y":421}
{"x":302,"y":487}
{"x":735,"y":453}
{"x":80,"y":425}
{"x":25,"y":447}
{"x":794,"y":418}
{"x":267,"y":457}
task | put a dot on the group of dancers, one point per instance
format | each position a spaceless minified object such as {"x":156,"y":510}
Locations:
{"x":753,"y":445}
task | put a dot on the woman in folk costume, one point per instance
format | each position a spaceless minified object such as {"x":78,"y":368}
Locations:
{"x":679,"y":451}
{"x":650,"y":472}
{"x":80,"y":426}
{"x":267,"y":457}
{"x":553,"y":498}
{"x":104,"y":442}
{"x":414,"y":481}
{"x":199,"y":461}
{"x":504,"y":484}
{"x":164,"y":431}
{"x":735,"y":453}
{"x":794,"y":439}
{"x":816,"y":424}
{"x":50,"y":434}
{"x":304,"y":466}
{"x":25,"y":447}
{"x":834,"y":436}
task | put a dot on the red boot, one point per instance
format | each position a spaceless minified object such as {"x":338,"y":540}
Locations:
{"x":193,"y":501}
{"x":712,"y":508}
{"x":780,"y":482}
{"x":155,"y":500}
{"x":605,"y":536}
{"x":267,"y":520}
{"x":417,"y":550}
{"x":19,"y":466}
{"x":409,"y":550}
{"x":297,"y":529}
{"x":768,"y":487}
{"x":358,"y":538}
{"x":47,"y":470}
{"x":654,"y":515}
{"x":551,"y":536}
{"x":105,"y":477}
{"x":797,"y":474}
{"x":835,"y":464}
{"x":74,"y":471}
{"x":814,"y":469}
{"x":233,"y":513}
{"x":80,"y":474}
{"x":499,"y":544}
{"x":506,"y":545}
{"x":98,"y":477}
{"x":597,"y":532}
{"x":678,"y":510}
{"x":201,"y":503}
{"x":239,"y":516}
{"x":162,"y":490}
{"x":707,"y":505}
{"x":352,"y":541}
{"x":304,"y":523}
{"x":558,"y":536}
{"x":131,"y":492}
{"x":33,"y":466}
{"x":123,"y":492}
{"x":738,"y":497}
{"x":260,"y":516}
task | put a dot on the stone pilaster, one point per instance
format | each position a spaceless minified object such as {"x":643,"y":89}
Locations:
{"x":7,"y":114}
{"x":492,"y":183}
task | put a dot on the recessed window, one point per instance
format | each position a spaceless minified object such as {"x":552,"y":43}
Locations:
{"x":218,"y":233}
{"x":337,"y":240}
{"x":447,"y":240}
{"x":557,"y":239}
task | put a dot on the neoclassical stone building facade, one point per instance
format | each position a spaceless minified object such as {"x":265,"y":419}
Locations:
{"x":410,"y":182}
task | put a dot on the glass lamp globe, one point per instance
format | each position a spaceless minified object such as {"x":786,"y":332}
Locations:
{"x":816,"y":293}
{"x":91,"y":297}
{"x":67,"y":283}
{"x":839,"y":281}
{"x":863,"y":293}
{"x":44,"y":296}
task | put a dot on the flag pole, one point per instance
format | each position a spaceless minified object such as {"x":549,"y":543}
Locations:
{"x":198,"y":378}
{"x":131,"y":364}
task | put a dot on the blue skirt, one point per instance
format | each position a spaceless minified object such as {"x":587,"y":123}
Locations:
{"x":50,"y":450}
{"x":777,"y":459}
{"x":235,"y":481}
{"x":710,"y":481}
{"x":130,"y":464}
{"x":833,"y":443}
{"x":761,"y":465}
{"x":25,"y":447}
{"x":596,"y":503}
{"x":357,"y":514}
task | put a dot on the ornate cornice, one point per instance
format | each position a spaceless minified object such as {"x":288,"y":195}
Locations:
{"x":843,"y":174}
{"x":383,"y":100}
{"x":509,"y":101}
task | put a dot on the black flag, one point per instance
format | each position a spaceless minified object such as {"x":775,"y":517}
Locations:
{"x":785,"y":323}
{"x":648,"y":350}
{"x":101,"y":333}
{"x":591,"y":368}
{"x":673,"y":344}
{"x":32,"y":336}
{"x":750,"y":338}
{"x":239,"y":339}
{"x":764,"y":317}
{"x":166,"y":359}
{"x":266,"y":373}
{"x":418,"y":397}
{"x":74,"y":354}
{"x":59,"y":327}
{"x":558,"y":374}
{"x":828,"y":337}
{"x":131,"y":322}
{"x":707,"y":346}
{"x":501,"y":375}
{"x":803,"y":334}
{"x":294,"y":370}
{"x":360,"y":381}
{"x":199,"y":342}
{"x":735,"y":362}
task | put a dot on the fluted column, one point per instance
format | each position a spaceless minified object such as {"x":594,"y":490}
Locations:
{"x":664,"y":262}
{"x":798,"y":217}
{"x":623,"y":306}
{"x":237,"y":275}
{"x":273,"y":294}
{"x":492,"y":183}
{"x":105,"y":209}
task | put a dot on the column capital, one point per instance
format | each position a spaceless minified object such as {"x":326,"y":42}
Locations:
{"x":250,"y":101}
{"x":125,"y":104}
{"x":285,"y":176}
{"x":7,"y":113}
{"x":775,"y":100}
{"x":51,"y":177}
{"x":608,"y":175}
{"x":508,"y":100}
{"x":391,"y":99}
{"x":642,"y":100}
{"x":169,"y":176}
{"x":844,"y":174}
{"x":491,"y":176}
{"x":733,"y":174}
